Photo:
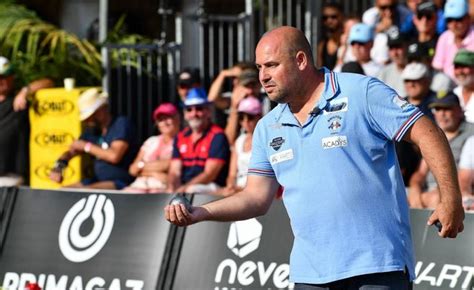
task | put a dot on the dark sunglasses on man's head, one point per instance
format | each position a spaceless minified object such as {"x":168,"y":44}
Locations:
{"x":197,"y":108}
{"x":454,"y":19}
{"x":427,"y":15}
{"x":329,"y":16}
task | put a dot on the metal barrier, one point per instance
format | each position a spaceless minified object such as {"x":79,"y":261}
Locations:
{"x":139,"y":77}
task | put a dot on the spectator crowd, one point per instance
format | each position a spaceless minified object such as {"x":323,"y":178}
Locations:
{"x":424,"y":50}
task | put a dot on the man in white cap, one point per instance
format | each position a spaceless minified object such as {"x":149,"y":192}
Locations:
{"x":110,"y":141}
{"x":417,"y":81}
{"x":14,"y":134}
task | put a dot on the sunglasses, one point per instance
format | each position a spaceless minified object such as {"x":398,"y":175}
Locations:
{"x":195,"y":108}
{"x":454,"y":19}
{"x":387,"y":7}
{"x":329,"y":16}
{"x":358,"y":43}
{"x":249,"y":117}
{"x":421,"y":15}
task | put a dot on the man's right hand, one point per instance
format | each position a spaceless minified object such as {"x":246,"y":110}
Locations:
{"x":177,"y":214}
{"x":56,"y":176}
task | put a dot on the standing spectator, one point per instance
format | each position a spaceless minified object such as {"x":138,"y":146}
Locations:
{"x":188,"y":78}
{"x":448,"y":115}
{"x":14,"y":124}
{"x":200,"y":151}
{"x":425,"y":24}
{"x":250,"y":111}
{"x":417,"y":85}
{"x":153,"y":160}
{"x":332,"y":27}
{"x":361,"y":39}
{"x":110,"y":141}
{"x":344,"y":53}
{"x":464,"y":73}
{"x":460,"y":34}
{"x":247,"y":85}
{"x":466,"y":173}
{"x":391,"y":74}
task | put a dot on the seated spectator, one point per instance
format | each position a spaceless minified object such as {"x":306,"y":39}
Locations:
{"x":423,"y":192}
{"x":14,"y":124}
{"x":352,"y":67}
{"x":460,"y":34}
{"x":417,"y":86}
{"x":344,"y":52}
{"x":110,"y":141}
{"x":424,"y":21}
{"x":153,"y":160}
{"x":464,"y":73}
{"x":200,"y":151}
{"x":247,"y":84}
{"x":391,"y":74}
{"x":407,"y":27}
{"x":441,"y":83}
{"x":331,"y":29}
{"x":361,"y":40}
{"x":466,"y":173}
{"x":188,"y":78}
{"x":250,"y":111}
{"x":384,"y":14}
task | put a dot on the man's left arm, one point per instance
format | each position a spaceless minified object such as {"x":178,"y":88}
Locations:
{"x":436,"y":151}
{"x":21,"y":99}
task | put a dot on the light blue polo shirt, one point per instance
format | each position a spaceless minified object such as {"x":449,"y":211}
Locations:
{"x":343,"y":189}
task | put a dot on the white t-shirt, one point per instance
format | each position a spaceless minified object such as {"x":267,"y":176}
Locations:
{"x":243,"y":160}
{"x":466,"y":160}
{"x":469,"y":107}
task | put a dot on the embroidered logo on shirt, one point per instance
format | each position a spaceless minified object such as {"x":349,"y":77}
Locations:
{"x":334,"y":142}
{"x":337,"y":106}
{"x":277,"y":142}
{"x":335,"y":124}
{"x":281,"y":156}
{"x":401,"y":102}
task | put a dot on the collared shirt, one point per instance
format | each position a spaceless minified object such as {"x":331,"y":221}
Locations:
{"x":344,"y":192}
{"x":446,"y":50}
{"x":213,"y":144}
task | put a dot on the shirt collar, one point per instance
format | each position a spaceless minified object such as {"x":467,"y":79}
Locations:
{"x":331,"y":90}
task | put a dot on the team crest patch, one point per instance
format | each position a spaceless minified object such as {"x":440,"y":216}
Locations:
{"x":277,"y":142}
{"x":401,"y":102}
{"x":335,"y":124}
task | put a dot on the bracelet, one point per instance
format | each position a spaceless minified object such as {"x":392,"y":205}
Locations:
{"x":60,"y":164}
{"x":87,"y":147}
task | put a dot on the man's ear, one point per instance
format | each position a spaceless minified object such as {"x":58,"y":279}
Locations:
{"x":301,"y":60}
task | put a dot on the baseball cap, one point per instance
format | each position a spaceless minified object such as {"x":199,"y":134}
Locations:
{"x":447,"y":101}
{"x":361,"y":32}
{"x":91,"y":100}
{"x":415,"y":71}
{"x":196,"y":97}
{"x":6,"y":68}
{"x":464,"y":57}
{"x":426,"y":8}
{"x":165,"y":109}
{"x":250,"y":105}
{"x":394,"y":37}
{"x":248,"y":76}
{"x":188,"y":77}
{"x":455,"y":8}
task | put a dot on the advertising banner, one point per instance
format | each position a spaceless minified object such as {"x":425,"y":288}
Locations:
{"x":55,"y":124}
{"x":79,"y":240}
{"x":254,"y":254}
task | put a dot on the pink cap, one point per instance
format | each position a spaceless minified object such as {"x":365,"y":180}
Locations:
{"x":167,"y":109}
{"x":250,"y":105}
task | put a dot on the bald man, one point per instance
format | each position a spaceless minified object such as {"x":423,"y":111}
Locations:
{"x":347,"y":202}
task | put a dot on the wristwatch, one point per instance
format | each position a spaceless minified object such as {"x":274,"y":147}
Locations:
{"x":140,"y":164}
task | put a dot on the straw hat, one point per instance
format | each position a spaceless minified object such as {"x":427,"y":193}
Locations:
{"x":90,"y":101}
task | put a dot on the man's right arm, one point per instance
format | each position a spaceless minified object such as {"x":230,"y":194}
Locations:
{"x":254,"y":200}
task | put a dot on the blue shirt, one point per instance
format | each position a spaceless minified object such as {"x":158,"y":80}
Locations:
{"x":119,"y":129}
{"x":344,"y":192}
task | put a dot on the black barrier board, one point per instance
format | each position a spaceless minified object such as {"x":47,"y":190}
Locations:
{"x":79,"y":240}
{"x":251,"y":254}
{"x":442,"y":263}
{"x":212,"y":258}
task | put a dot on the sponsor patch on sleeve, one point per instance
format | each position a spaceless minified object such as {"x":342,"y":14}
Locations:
{"x":401,"y":102}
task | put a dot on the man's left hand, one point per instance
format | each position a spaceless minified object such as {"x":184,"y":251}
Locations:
{"x":451,"y":217}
